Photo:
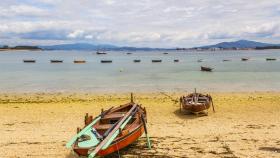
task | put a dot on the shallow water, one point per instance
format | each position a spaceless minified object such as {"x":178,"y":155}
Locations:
{"x":123,"y":74}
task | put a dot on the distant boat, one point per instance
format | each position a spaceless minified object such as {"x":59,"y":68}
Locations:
{"x":244,"y":59}
{"x":270,"y":59}
{"x":100,"y":53}
{"x":79,"y":61}
{"x":156,"y":61}
{"x":128,"y":53}
{"x":56,"y":61}
{"x":176,"y":60}
{"x":165,"y":53}
{"x":137,"y":60}
{"x":106,"y":61}
{"x":199,"y":60}
{"x":29,"y":61}
{"x":203,"y":68}
{"x":226,"y":60}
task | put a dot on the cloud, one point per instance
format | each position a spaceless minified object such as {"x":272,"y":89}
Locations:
{"x":139,"y":23}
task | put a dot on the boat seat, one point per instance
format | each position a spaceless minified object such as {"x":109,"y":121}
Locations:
{"x":103,"y":126}
{"x":114,"y":116}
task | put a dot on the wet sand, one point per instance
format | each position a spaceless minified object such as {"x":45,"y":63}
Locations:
{"x":244,"y":125}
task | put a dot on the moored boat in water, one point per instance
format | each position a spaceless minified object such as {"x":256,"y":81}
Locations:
{"x":56,"y":61}
{"x":244,"y":59}
{"x":270,"y":59}
{"x":137,"y":60}
{"x":79,"y":61}
{"x":204,"y":68}
{"x":156,"y":61}
{"x":111,"y":131}
{"x":106,"y":61}
{"x":29,"y":61}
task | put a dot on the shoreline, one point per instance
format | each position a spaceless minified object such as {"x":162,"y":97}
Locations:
{"x":244,"y":125}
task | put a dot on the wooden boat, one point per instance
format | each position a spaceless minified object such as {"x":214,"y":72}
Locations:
{"x":244,"y":59}
{"x":106,"y":61}
{"x":226,"y":60}
{"x":111,"y":131}
{"x":56,"y":61}
{"x":29,"y":61}
{"x":196,"y":103}
{"x":270,"y":59}
{"x":137,"y":60}
{"x":79,"y":61}
{"x":100,"y":53}
{"x":176,"y":60}
{"x":156,"y":61}
{"x":203,"y":68}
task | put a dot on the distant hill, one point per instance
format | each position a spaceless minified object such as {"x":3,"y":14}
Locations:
{"x":239,"y":44}
{"x":87,"y":46}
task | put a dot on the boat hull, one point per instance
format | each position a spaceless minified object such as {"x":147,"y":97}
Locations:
{"x":189,"y":105}
{"x":122,"y":143}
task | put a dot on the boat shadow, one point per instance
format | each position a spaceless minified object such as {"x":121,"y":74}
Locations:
{"x":187,"y":115}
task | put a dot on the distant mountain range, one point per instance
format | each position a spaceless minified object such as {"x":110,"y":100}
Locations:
{"x":239,"y":44}
{"x":101,"y":47}
{"x":107,"y":47}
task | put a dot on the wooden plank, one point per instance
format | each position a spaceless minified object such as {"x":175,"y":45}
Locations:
{"x":113,"y":133}
{"x":88,"y":127}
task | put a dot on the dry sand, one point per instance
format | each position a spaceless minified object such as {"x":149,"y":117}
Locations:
{"x":244,"y":125}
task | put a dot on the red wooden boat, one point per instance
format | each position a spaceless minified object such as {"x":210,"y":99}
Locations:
{"x":111,"y":131}
{"x":196,"y":102}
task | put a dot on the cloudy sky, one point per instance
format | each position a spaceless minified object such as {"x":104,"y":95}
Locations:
{"x":153,"y":23}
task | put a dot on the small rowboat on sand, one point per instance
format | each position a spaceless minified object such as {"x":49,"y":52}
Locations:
{"x":203,"y":68}
{"x":196,"y":103}
{"x":111,"y":131}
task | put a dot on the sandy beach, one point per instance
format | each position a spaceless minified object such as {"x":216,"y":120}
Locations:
{"x":244,"y":125}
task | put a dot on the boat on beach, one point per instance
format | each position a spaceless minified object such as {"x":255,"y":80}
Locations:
{"x":204,"y":68}
{"x":79,"y":61}
{"x":56,"y":61}
{"x":196,"y":103}
{"x":111,"y":131}
{"x":29,"y":61}
{"x":271,"y":59}
{"x":244,"y":59}
{"x":106,"y":61}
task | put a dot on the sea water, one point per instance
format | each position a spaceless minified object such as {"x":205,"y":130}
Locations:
{"x":123,"y":75}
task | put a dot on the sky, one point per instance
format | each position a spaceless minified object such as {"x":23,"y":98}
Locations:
{"x":140,"y":23}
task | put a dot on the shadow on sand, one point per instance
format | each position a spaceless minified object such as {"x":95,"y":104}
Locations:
{"x":187,"y":115}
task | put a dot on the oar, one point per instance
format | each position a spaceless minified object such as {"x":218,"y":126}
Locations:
{"x":146,"y":132}
{"x":114,"y":133}
{"x":88,"y":127}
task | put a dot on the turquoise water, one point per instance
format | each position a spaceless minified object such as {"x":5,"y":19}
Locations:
{"x":123,"y":74}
